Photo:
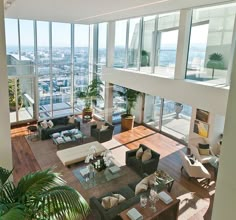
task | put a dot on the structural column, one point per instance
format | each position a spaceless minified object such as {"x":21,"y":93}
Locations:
{"x":183,"y":42}
{"x":110,"y":61}
{"x":5,"y":146}
{"x":225,"y":198}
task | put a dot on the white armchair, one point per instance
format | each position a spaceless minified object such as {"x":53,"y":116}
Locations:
{"x":193,"y":146}
{"x":196,"y":170}
{"x":201,"y":158}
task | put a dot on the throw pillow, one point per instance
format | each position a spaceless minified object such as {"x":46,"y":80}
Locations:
{"x":119,"y":197}
{"x":104,"y":127}
{"x":56,"y":135}
{"x":71,"y":119}
{"x":147,"y":155}
{"x":67,"y":139}
{"x":204,"y":151}
{"x":60,"y":140}
{"x":44,"y":124}
{"x":139,"y":153}
{"x":203,"y":146}
{"x":109,"y":202}
{"x":99,"y":124}
{"x":50,"y":124}
{"x":192,"y":161}
{"x":142,"y":186}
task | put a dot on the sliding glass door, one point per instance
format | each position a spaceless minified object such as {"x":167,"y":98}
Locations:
{"x":172,"y":118}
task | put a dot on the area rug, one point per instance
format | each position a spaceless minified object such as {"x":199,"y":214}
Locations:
{"x":191,"y":207}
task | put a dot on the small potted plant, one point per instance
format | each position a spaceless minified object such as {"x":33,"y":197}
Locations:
{"x":130,"y":96}
{"x":90,"y":95}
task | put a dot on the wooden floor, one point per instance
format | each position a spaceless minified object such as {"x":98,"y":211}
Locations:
{"x":24,"y":161}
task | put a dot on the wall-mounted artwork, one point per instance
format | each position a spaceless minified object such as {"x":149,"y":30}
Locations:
{"x":202,"y":115}
{"x":201,"y":128}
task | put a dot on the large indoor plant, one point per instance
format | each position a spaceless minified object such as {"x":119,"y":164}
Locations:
{"x":39,"y":195}
{"x":91,"y":93}
{"x":130,"y":96}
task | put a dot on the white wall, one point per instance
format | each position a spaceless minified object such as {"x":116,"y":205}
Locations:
{"x":216,"y":127}
{"x":205,"y":97}
{"x":5,"y":146}
{"x":225,"y":198}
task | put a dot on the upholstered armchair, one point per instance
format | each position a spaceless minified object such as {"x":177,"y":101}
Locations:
{"x":196,"y":170}
{"x":102,"y":134}
{"x":194,"y":148}
{"x":149,"y":166}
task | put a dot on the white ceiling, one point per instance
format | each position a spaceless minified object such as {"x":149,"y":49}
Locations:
{"x":94,"y":11}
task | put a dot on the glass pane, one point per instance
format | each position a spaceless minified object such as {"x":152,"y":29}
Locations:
{"x":120,"y":44}
{"x":119,"y":104}
{"x":166,"y":44}
{"x":81,"y":59}
{"x":26,"y":112}
{"x":12,"y":85}
{"x":61,"y":45}
{"x":147,"y":43}
{"x":27,"y":41}
{"x":12,"y":46}
{"x":102,"y":45}
{"x":152,"y":111}
{"x":43,"y":68}
{"x":62,"y":96}
{"x":134,"y":31}
{"x":43,"y":45}
{"x":176,"y":119}
{"x":210,"y":43}
{"x":44,"y":88}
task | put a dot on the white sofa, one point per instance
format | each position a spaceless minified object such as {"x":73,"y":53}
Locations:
{"x":196,"y":170}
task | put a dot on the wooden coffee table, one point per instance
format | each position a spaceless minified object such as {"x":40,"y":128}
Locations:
{"x":163,"y":212}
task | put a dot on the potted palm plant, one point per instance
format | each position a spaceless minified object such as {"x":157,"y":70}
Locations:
{"x":39,"y":195}
{"x":91,"y":93}
{"x":215,"y":62}
{"x":130,"y":96}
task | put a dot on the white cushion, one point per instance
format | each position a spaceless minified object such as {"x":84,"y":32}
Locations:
{"x":67,"y":138}
{"x":71,"y":119}
{"x":104,"y":127}
{"x":56,"y":135}
{"x":60,"y":140}
{"x":44,"y":124}
{"x":50,"y":124}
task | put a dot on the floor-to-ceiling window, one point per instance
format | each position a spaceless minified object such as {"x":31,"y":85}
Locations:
{"x":46,"y":49}
{"x":134,"y":43}
{"x":176,"y":119}
{"x":210,"y":43}
{"x":166,"y":44}
{"x":152,"y":111}
{"x":20,"y":66}
{"x":120,"y":44}
{"x":148,"y":42}
{"x":170,"y":117}
{"x":61,"y":70}
{"x":81,"y":59}
{"x":101,"y":61}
